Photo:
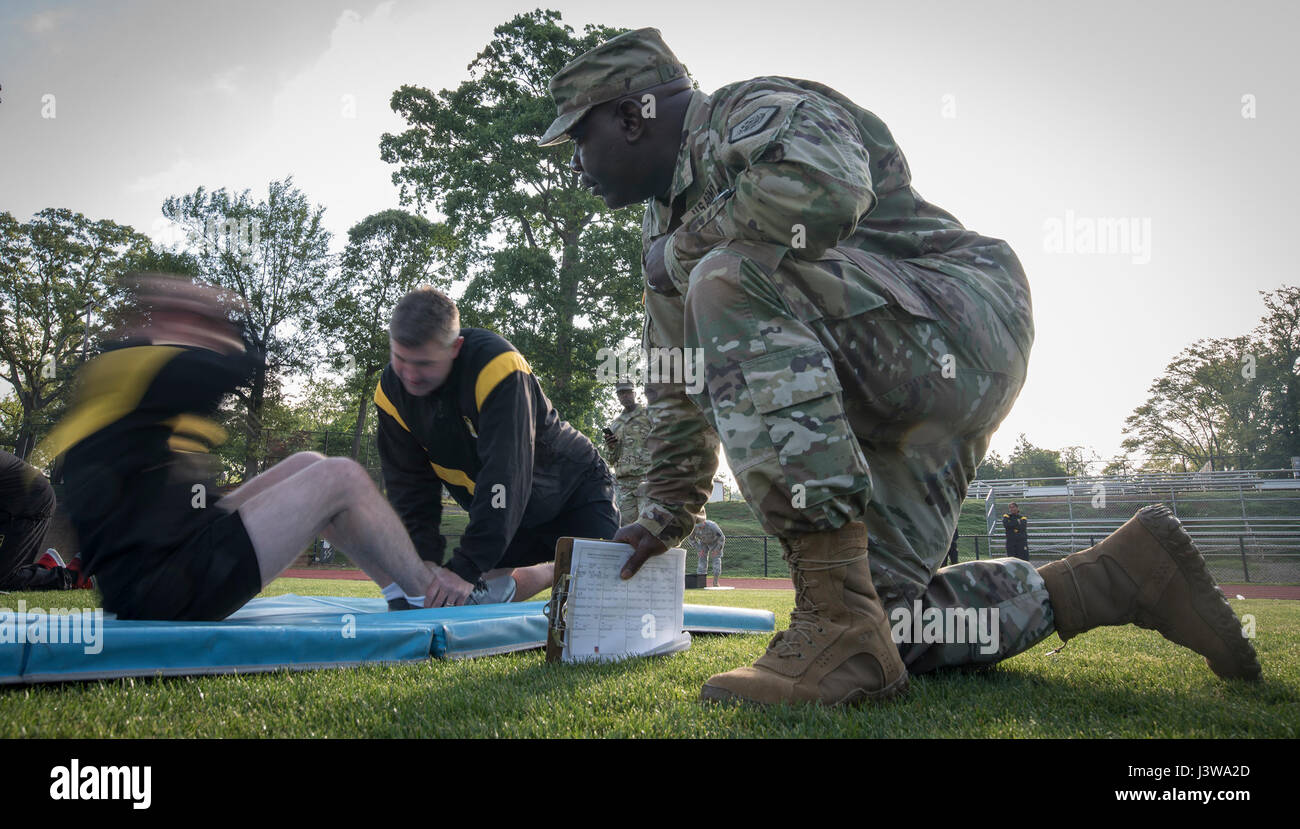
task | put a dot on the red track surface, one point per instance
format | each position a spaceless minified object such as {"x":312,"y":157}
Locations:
{"x":1262,"y":591}
{"x":1249,"y":591}
{"x":324,"y":573}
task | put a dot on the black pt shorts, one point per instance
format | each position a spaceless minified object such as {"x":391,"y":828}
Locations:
{"x":205,"y":580}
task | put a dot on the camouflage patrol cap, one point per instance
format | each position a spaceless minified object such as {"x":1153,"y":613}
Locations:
{"x":620,"y":66}
{"x":624,"y":386}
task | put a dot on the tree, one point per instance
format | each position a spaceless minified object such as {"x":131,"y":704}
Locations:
{"x":1030,"y":461}
{"x":992,"y":468}
{"x":11,"y":417}
{"x":57,"y":280}
{"x":1278,"y":340}
{"x":1120,"y":464}
{"x":162,"y":260}
{"x":387,"y":254}
{"x":551,"y":269}
{"x":274,"y":254}
{"x":1206,"y":408}
{"x":1232,"y":402}
{"x":1078,"y":460}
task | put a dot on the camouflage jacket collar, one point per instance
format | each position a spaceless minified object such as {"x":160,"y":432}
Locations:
{"x":639,"y":411}
{"x":697,"y":113}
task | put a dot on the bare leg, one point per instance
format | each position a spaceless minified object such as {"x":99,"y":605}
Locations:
{"x":284,"y":469}
{"x":333,"y":493}
{"x":529,"y":581}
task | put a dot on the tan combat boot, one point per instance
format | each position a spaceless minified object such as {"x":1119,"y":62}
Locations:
{"x":838,"y":649}
{"x":1149,"y":573}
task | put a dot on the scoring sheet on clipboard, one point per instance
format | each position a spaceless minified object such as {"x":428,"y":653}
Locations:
{"x":609,"y":618}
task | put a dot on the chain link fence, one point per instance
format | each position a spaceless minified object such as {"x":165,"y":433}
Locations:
{"x":1238,"y":511}
{"x":1264,"y":558}
{"x":1246,"y":523}
{"x":1232,"y":558}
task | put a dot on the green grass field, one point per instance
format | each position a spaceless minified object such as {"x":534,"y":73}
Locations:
{"x":1116,"y":682}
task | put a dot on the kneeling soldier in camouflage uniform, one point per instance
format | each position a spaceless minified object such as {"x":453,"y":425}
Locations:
{"x":859,"y":348}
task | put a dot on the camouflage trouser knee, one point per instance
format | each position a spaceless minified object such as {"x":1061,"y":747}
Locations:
{"x":703,"y":562}
{"x":864,"y":389}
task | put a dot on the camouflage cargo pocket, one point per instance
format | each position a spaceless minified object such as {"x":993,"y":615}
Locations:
{"x":797,"y":395}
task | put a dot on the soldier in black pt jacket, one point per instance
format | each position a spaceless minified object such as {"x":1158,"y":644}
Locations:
{"x":460,"y":408}
{"x":1017,"y":527}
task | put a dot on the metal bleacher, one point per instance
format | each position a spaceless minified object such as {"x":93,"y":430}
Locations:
{"x":1246,"y":522}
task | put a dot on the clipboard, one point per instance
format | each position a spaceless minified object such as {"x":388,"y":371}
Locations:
{"x":594,"y":609}
{"x":556,"y":610}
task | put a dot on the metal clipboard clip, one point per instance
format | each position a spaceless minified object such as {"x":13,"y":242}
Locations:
{"x":557,"y":609}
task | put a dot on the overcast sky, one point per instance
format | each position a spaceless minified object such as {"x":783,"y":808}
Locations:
{"x":1029,"y":121}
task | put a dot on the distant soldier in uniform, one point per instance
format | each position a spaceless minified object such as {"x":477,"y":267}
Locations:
{"x":860,"y":346}
{"x":625,"y":440}
{"x":953,"y":555}
{"x":1017,"y":530}
{"x":708,"y":542}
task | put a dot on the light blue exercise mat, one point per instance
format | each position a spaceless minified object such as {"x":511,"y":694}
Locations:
{"x":296,"y":632}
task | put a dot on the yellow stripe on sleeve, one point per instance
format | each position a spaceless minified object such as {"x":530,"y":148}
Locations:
{"x":202,"y":428}
{"x":382,"y":401}
{"x":453,"y":476}
{"x":112,"y":386}
{"x":498,"y":369}
{"x":189,"y":446}
{"x":191,"y":433}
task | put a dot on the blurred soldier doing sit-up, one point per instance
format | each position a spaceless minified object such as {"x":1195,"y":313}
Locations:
{"x":141,"y":487}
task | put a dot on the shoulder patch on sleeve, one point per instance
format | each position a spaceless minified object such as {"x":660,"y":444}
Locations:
{"x":752,"y":124}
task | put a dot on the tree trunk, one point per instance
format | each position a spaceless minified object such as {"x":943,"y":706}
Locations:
{"x":361,"y":417}
{"x":253,"y":431}
{"x":26,"y":440}
{"x":23,"y":449}
{"x":563,"y":333}
{"x":1291,"y":422}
